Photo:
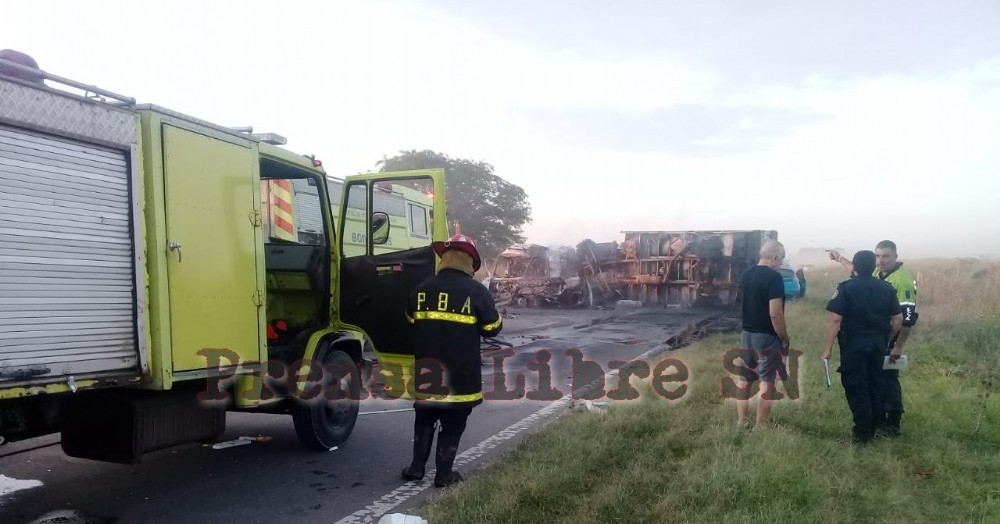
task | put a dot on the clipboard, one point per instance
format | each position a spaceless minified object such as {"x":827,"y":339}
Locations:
{"x":899,"y":364}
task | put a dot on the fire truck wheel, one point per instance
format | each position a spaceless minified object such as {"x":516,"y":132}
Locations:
{"x":327,"y":419}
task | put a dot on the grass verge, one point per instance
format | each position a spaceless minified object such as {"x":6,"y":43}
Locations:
{"x":653,"y":460}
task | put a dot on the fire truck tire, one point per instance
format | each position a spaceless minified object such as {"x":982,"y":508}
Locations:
{"x":324,"y":423}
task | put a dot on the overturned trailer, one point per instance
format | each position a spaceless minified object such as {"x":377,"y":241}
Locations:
{"x":671,"y":268}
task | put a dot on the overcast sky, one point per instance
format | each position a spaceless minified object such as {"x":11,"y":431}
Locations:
{"x":835,"y":123}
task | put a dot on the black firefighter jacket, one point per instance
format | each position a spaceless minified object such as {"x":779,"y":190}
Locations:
{"x":449,"y":313}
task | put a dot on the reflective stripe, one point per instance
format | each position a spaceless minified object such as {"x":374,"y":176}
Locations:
{"x":448,"y":317}
{"x":449,"y":398}
{"x":408,"y":317}
{"x":282,"y":217}
{"x":908,"y":304}
{"x":494,"y":325}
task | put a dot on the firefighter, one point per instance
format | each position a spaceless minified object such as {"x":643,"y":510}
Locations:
{"x":449,"y":312}
{"x":864,"y":315}
{"x":890,"y":270}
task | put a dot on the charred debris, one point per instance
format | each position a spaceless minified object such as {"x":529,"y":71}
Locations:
{"x":662,"y":268}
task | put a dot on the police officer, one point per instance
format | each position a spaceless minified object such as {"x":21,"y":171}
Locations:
{"x":864,"y":315}
{"x":449,"y":312}
{"x":889,"y":269}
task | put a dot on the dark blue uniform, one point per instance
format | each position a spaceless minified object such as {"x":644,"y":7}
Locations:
{"x":449,"y":313}
{"x":866,"y":305}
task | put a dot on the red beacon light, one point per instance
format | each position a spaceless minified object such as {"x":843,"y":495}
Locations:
{"x":315,"y":161}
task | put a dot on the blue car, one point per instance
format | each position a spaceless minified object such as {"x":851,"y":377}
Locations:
{"x":793,"y":289}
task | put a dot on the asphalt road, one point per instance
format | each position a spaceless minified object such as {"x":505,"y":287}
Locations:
{"x":278,"y":480}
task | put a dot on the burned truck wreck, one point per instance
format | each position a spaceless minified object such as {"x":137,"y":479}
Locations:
{"x":665,"y":268}
{"x":683,"y":268}
{"x":534,"y":275}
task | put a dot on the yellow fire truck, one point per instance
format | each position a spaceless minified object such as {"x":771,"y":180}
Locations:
{"x":157,"y":271}
{"x":409,"y":210}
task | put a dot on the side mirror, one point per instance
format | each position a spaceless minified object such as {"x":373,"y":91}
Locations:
{"x":380,"y":228}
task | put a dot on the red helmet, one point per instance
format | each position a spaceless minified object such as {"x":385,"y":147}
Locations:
{"x":463,"y":243}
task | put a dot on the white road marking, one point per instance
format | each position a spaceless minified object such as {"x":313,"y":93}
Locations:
{"x":9,"y":485}
{"x":394,"y":498}
{"x":407,"y":491}
{"x":379,"y":412}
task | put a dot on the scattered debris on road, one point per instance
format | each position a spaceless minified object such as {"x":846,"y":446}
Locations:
{"x":400,"y":518}
{"x":240,"y":441}
{"x":10,"y":485}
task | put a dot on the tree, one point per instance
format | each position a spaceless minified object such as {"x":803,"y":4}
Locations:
{"x":487,"y":207}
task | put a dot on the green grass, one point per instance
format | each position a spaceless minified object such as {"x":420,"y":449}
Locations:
{"x":657,"y":461}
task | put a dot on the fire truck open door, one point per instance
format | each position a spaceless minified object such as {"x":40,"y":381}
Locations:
{"x":374,"y":288}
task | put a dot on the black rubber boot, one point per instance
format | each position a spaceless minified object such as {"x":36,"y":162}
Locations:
{"x":879,"y":420}
{"x":862,"y":436}
{"x":891,"y":426}
{"x":447,"y":448}
{"x":423,"y":437}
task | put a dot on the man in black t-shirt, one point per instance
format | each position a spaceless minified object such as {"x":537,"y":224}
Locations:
{"x":764,"y":340}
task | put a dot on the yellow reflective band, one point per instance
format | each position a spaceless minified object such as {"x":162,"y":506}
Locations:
{"x":471,"y":397}
{"x":448,"y":317}
{"x":494,"y":325}
{"x":283,"y":214}
{"x":408,"y":318}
